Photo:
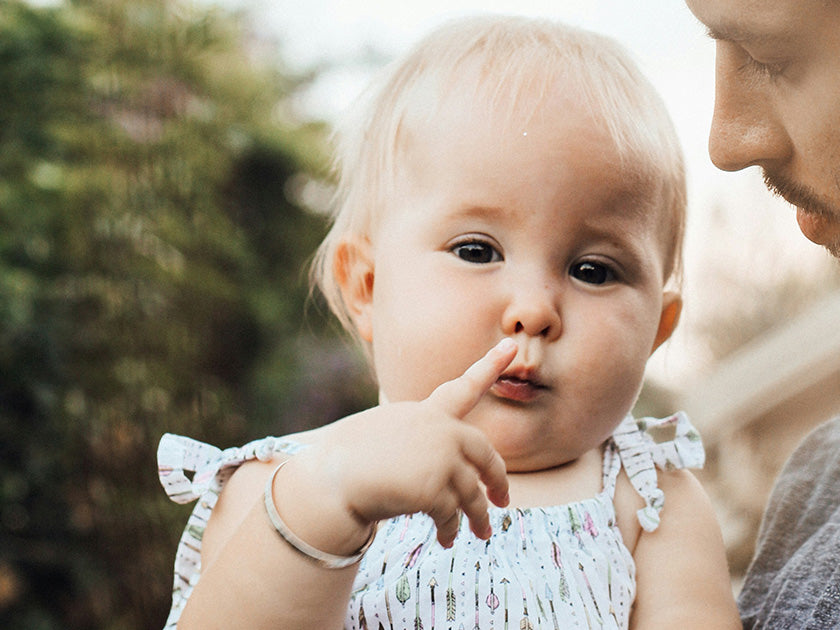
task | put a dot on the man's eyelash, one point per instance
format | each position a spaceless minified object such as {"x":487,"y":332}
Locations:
{"x":768,"y":70}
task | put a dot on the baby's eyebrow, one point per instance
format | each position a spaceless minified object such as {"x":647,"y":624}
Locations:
{"x":481,"y":211}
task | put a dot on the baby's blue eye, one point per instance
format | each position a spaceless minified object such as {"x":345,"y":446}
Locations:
{"x":477,"y":252}
{"x":592,"y":273}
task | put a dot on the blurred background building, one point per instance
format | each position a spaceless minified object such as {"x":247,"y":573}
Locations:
{"x":756,"y":405}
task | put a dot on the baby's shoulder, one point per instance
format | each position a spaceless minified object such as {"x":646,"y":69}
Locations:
{"x":686,"y":500}
{"x":243,"y":487}
{"x":683,"y":494}
{"x":247,"y":480}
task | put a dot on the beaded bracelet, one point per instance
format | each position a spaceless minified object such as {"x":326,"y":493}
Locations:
{"x":326,"y":560}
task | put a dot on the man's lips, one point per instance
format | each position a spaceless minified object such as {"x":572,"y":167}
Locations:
{"x":819,"y":228}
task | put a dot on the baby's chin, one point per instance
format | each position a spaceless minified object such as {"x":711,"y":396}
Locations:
{"x":537,"y":461}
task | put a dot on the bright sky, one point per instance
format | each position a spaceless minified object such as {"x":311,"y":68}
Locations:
{"x":736,"y":231}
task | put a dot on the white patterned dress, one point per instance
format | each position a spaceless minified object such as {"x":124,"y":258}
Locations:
{"x":554,"y":567}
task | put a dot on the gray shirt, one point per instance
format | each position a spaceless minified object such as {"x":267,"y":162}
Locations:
{"x":794,"y":578}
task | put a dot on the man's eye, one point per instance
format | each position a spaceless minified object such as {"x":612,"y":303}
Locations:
{"x":477,"y":252}
{"x":762,"y":69}
{"x":592,"y":273}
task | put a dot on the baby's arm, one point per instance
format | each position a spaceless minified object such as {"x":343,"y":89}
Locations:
{"x":393,"y":459}
{"x":682,"y":576}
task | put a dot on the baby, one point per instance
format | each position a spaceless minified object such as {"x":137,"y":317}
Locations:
{"x":506,"y":247}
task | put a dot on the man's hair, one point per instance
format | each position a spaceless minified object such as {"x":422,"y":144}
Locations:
{"x":514,"y":63}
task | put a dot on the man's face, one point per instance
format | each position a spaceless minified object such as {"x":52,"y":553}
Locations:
{"x":777,"y":101}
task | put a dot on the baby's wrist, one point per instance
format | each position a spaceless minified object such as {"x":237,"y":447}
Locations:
{"x":311,"y":519}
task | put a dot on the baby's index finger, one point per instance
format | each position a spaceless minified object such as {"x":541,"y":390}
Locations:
{"x":460,"y":395}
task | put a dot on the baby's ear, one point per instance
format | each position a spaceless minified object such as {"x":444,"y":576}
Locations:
{"x":669,"y":318}
{"x":353,"y":269}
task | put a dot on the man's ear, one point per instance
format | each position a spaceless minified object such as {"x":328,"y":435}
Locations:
{"x":668,"y":319}
{"x":353,"y":269}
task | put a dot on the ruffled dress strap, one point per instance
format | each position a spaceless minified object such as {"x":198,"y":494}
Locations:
{"x":211,"y":467}
{"x":649,"y":443}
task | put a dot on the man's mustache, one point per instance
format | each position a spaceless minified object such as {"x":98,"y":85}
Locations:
{"x":799,"y":195}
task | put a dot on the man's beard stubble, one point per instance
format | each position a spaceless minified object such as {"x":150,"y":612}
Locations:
{"x":805,"y":199}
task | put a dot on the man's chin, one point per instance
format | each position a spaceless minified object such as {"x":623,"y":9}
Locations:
{"x":820,"y":228}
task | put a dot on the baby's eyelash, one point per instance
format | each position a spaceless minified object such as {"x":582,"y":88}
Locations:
{"x":593,"y":272}
{"x":476,"y":250}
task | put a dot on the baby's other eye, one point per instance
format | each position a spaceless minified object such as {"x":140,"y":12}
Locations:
{"x":592,"y":272}
{"x":477,"y":252}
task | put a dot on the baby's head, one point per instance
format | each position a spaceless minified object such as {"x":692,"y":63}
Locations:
{"x":511,"y":67}
{"x":511,"y":178}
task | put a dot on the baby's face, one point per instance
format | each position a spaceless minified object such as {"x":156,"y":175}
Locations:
{"x":524,"y":231}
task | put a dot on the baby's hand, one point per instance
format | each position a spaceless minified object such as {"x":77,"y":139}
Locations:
{"x":411,"y":457}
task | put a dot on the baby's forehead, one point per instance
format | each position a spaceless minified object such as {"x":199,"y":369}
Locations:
{"x":464,"y":112}
{"x":646,"y":168}
{"x":632,"y":184}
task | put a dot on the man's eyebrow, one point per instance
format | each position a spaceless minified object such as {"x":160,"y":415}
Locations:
{"x":737,"y":34}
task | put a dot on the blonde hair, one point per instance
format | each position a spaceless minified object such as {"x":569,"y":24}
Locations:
{"x":511,"y":60}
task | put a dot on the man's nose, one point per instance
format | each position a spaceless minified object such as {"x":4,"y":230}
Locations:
{"x":746,"y":129}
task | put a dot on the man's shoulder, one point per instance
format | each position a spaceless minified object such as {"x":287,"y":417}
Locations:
{"x":828,"y":431}
{"x":816,"y":459}
{"x":797,"y":550}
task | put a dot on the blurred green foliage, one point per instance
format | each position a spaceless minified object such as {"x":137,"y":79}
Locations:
{"x":150,"y":280}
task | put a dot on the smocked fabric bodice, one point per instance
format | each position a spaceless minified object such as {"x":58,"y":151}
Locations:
{"x":562,"y":566}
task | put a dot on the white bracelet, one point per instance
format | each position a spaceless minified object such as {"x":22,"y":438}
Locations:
{"x":326,"y":560}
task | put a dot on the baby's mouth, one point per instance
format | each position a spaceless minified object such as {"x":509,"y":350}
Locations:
{"x":518,"y":388}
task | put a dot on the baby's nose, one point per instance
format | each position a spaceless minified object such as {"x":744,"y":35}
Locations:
{"x":533,"y":310}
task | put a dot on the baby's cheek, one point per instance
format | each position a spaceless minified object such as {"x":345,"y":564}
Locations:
{"x":621,"y":375}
